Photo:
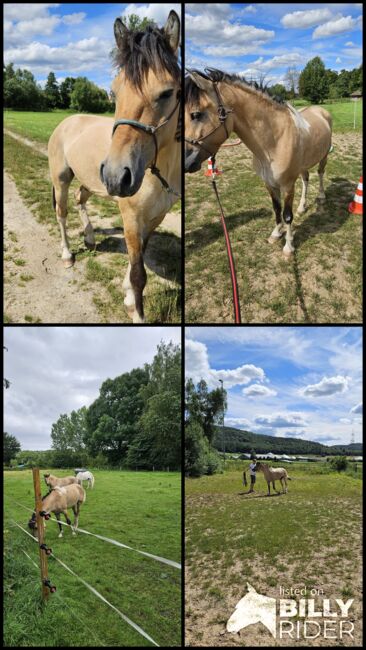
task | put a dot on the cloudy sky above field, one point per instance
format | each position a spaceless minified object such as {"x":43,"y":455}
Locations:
{"x":69,"y":39}
{"x":256,"y":39}
{"x":55,"y":370}
{"x":300,"y":382}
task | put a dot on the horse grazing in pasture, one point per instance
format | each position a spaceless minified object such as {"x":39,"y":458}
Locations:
{"x":52,"y":481}
{"x":134,"y":159}
{"x":85,"y":476}
{"x":285,"y":143}
{"x":58,"y":501}
{"x":272,"y":474}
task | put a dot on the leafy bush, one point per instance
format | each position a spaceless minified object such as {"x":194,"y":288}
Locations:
{"x":339,"y":463}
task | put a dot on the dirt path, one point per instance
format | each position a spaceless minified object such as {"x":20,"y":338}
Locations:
{"x":50,"y":294}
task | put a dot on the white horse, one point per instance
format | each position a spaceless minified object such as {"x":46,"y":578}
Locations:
{"x":85,"y":476}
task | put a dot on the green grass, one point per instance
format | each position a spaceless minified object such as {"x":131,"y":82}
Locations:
{"x":34,"y":125}
{"x":139,"y":509}
{"x":342,"y":114}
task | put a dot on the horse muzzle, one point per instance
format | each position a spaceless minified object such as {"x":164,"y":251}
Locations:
{"x":192,"y":161}
{"x":122,"y":181}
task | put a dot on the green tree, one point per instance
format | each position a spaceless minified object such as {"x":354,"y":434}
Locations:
{"x":70,"y":431}
{"x":86,"y":97}
{"x":134,"y":23}
{"x":21,"y":91}
{"x":66,"y":88}
{"x":11,"y":447}
{"x":339,"y":463}
{"x":278,"y":90}
{"x":204,"y":406}
{"x":343,"y":83}
{"x":113,"y":418}
{"x":158,"y":442}
{"x":51,"y":91}
{"x":313,"y":82}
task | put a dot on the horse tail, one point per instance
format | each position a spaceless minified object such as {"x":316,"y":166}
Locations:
{"x":53,"y":198}
{"x":289,"y":478}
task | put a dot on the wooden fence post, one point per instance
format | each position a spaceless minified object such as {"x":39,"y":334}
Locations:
{"x":43,"y":561}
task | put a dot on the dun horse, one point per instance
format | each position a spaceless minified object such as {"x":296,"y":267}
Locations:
{"x":285,"y":143}
{"x":134,"y":159}
{"x":272,"y":474}
{"x":58,"y":501}
{"x":52,"y":481}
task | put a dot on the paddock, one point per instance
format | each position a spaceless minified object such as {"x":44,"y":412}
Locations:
{"x":295,"y":540}
{"x":320,"y":284}
{"x":138,"y":509}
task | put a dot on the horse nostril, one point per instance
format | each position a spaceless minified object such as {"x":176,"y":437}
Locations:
{"x":101,"y":172}
{"x":126,"y":179}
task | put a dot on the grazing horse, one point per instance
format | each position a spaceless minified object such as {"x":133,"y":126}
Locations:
{"x":272,"y":474}
{"x":85,"y":476}
{"x":57,"y":501}
{"x":134,"y":159}
{"x":285,"y":143}
{"x":52,"y":481}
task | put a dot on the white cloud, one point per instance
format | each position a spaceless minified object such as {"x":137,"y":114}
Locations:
{"x":337,"y":25}
{"x":327,"y":386}
{"x":26,"y":11}
{"x":157,"y":11}
{"x":345,"y":420}
{"x":250,"y":9}
{"x":235,"y":39}
{"x":338,"y":60}
{"x":257,"y":390}
{"x":350,"y":44}
{"x":357,"y":409}
{"x":237,"y":422}
{"x":198,"y":367}
{"x":279,"y":420}
{"x":304,"y":19}
{"x":278,"y":61}
{"x":73,"y":19}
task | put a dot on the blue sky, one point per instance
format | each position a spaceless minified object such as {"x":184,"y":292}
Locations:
{"x":303,"y":382}
{"x":69,"y":39}
{"x":259,"y":39}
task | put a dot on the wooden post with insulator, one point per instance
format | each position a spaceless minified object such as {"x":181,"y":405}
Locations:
{"x":43,"y":558}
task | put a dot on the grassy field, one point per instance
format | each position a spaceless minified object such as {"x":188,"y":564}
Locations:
{"x":320,"y":284}
{"x":139,"y":509}
{"x":105,"y":267}
{"x":309,"y":537}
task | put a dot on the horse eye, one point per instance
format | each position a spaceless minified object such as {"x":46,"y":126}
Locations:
{"x":196,"y":115}
{"x":166,"y":94}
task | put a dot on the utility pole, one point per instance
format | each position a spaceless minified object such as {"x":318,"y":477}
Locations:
{"x":222,"y":418}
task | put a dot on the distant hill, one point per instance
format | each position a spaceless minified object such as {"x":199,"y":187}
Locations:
{"x":238,"y":441}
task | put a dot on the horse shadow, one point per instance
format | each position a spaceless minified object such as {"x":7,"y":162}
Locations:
{"x":261,"y":496}
{"x":211,"y":232}
{"x":162,"y":256}
{"x":327,"y":216}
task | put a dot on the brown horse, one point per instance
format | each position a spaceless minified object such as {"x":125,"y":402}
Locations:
{"x":58,"y":501}
{"x":285,"y":142}
{"x":272,"y":474}
{"x":135,"y":159}
{"x":52,"y":481}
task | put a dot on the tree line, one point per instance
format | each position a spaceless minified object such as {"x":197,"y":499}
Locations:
{"x":22,"y":92}
{"x":135,"y":423}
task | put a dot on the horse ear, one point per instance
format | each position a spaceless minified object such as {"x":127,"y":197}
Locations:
{"x":201,"y":82}
{"x":172,"y":29}
{"x":120,"y":32}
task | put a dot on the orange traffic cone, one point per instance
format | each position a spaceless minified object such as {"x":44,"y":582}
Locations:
{"x":212,"y":169}
{"x":356,"y":205}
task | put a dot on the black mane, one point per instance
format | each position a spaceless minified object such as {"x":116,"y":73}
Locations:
{"x":193,"y":92}
{"x":145,"y":50}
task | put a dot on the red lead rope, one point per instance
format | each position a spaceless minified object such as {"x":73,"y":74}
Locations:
{"x":230,"y":256}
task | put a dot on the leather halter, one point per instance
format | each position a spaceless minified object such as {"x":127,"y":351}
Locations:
{"x":223,"y":113}
{"x":151,"y":130}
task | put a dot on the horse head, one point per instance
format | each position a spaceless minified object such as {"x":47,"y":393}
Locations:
{"x":253,"y":608}
{"x":147,"y":95}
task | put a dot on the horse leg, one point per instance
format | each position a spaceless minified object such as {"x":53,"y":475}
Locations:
{"x":68,"y":520}
{"x":285,"y":485}
{"x":321,"y":196}
{"x":288,"y":249}
{"x":269,"y":488}
{"x":76,"y":510}
{"x":81,"y":196}
{"x":58,"y":517}
{"x":305,"y":182}
{"x":135,"y":280}
{"x":278,"y":231}
{"x":60,"y":193}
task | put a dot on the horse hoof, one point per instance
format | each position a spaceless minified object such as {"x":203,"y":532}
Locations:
{"x":68,"y":263}
{"x":287,"y":254}
{"x":272,"y":240}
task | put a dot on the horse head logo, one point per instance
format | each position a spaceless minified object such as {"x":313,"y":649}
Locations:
{"x":253,"y":608}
